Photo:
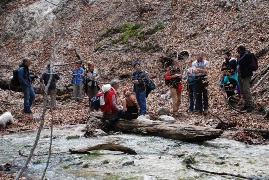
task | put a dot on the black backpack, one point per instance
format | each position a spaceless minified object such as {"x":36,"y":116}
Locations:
{"x":15,"y":79}
{"x":254,"y":62}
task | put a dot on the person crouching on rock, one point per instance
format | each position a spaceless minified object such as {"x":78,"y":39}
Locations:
{"x":130,"y":105}
{"x":112,"y":107}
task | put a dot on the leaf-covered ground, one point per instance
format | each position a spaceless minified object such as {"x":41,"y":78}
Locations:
{"x":212,"y":26}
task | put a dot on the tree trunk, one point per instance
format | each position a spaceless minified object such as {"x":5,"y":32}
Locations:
{"x":184,"y":132}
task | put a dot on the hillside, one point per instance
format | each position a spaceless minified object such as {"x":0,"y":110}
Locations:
{"x":114,"y":34}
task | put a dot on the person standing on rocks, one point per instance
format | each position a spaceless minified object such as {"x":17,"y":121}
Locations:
{"x":189,"y":76}
{"x":229,"y":79}
{"x":200,"y":68}
{"x":77,"y":81}
{"x":44,"y":80}
{"x":173,"y":78}
{"x":92,"y":76}
{"x":244,"y":76}
{"x":26,"y":85}
{"x":139,"y":79}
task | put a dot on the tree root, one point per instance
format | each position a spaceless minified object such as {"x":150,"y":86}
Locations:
{"x":217,"y":173}
{"x":109,"y":146}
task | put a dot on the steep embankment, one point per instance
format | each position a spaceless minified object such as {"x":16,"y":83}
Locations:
{"x":114,"y":34}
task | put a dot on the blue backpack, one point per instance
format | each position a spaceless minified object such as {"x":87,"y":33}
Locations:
{"x":95,"y":103}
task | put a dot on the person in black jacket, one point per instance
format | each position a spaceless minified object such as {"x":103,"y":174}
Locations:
{"x":52,"y":87}
{"x":26,"y":85}
{"x":244,"y":76}
{"x":139,"y":79}
{"x":229,"y":71}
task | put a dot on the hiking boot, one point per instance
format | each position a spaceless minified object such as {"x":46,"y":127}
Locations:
{"x":198,"y":112}
{"x":250,"y":108}
{"x":205,"y":112}
{"x":243,"y":108}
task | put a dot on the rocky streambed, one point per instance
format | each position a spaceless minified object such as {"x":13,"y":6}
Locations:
{"x":157,"y":158}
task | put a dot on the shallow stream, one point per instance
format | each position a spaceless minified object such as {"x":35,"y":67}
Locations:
{"x":157,"y":158}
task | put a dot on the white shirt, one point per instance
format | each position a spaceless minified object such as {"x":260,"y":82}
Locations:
{"x":201,"y":65}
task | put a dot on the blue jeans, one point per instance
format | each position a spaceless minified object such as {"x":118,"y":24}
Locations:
{"x":29,"y":97}
{"x":192,"y":93}
{"x":141,"y":99}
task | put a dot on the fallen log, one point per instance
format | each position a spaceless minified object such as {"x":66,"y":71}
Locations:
{"x":263,"y":132}
{"x":184,"y":132}
{"x":109,"y":146}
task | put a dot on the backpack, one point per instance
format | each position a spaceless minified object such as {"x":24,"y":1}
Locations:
{"x":15,"y":79}
{"x":97,"y":101}
{"x":254,"y":62}
{"x":150,"y":86}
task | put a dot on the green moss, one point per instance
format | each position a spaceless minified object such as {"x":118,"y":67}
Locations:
{"x":111,"y":177}
{"x":66,"y":166}
{"x":73,"y":137}
{"x":37,"y":162}
{"x":157,"y":28}
{"x":92,"y":155}
{"x":97,"y":48}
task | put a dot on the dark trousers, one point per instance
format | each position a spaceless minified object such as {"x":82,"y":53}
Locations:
{"x":201,"y":93}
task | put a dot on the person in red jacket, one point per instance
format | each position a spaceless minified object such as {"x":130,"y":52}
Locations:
{"x":112,"y":107}
{"x":173,"y":77}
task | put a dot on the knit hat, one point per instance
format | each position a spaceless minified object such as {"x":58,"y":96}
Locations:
{"x":241,"y":48}
{"x":136,"y":63}
{"x":228,"y":53}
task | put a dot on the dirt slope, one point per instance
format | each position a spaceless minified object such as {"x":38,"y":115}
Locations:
{"x":31,"y":27}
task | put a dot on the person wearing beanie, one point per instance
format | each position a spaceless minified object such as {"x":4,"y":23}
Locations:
{"x":244,"y":76}
{"x":139,"y":79}
{"x":229,"y":77}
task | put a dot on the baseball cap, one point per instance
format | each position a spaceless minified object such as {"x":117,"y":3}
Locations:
{"x":114,"y":81}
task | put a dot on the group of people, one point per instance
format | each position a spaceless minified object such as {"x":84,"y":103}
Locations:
{"x":236,"y":75}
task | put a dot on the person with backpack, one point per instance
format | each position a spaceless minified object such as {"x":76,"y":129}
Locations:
{"x":229,"y":78}
{"x":26,"y":85}
{"x":112,"y":107}
{"x":189,"y":76}
{"x":91,"y":85}
{"x":77,"y":81}
{"x":200,"y":68}
{"x":173,"y":78}
{"x":130,"y":105}
{"x":244,"y":76}
{"x":140,"y":80}
{"x":44,"y":80}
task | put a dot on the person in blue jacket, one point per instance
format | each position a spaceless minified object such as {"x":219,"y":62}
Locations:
{"x":77,"y":81}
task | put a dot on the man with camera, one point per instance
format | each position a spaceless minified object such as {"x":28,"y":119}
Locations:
{"x":173,"y":78}
{"x":139,"y":79}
